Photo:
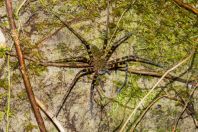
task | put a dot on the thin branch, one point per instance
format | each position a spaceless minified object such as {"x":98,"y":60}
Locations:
{"x":145,"y":111}
{"x":77,"y":77}
{"x":194,"y":120}
{"x":153,"y":88}
{"x":107,"y":26}
{"x":24,"y":73}
{"x":54,"y":120}
{"x":155,"y":74}
{"x":49,"y":35}
{"x":119,"y":20}
{"x":118,"y":102}
{"x":186,"y":6}
{"x":149,"y":107}
{"x":190,"y":108}
{"x":19,"y":8}
{"x":185,"y":107}
{"x":117,"y":44}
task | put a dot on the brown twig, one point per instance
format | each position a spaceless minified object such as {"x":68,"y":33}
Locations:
{"x":39,"y":43}
{"x":50,"y":116}
{"x":122,"y":105}
{"x":141,"y":103}
{"x":184,"y":109}
{"x":22,"y":68}
{"x":49,"y":35}
{"x":107,"y":26}
{"x":149,"y":107}
{"x":186,"y":6}
{"x":155,"y":74}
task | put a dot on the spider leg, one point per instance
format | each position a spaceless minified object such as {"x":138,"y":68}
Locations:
{"x":107,"y":26}
{"x":73,"y":59}
{"x":130,"y":58}
{"x":117,"y":44}
{"x":126,"y":79}
{"x":70,"y":64}
{"x":92,"y":91}
{"x":83,"y":41}
{"x":81,"y":73}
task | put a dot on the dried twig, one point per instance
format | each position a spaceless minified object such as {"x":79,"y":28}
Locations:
{"x":119,"y":20}
{"x":49,"y":35}
{"x":185,"y":107}
{"x":153,"y":88}
{"x":149,"y":107}
{"x":186,"y":6}
{"x":23,"y":69}
{"x":107,"y":26}
{"x":40,"y":42}
{"x":155,"y":74}
{"x":50,"y":115}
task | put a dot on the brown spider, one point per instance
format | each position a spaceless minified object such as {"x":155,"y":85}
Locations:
{"x":98,"y":62}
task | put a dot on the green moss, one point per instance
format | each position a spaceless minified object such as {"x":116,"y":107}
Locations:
{"x":14,"y":64}
{"x":3,"y":51}
{"x":1,"y":115}
{"x":1,"y":3}
{"x":2,"y":95}
{"x":30,"y":127}
{"x":36,"y":69}
{"x":22,"y":95}
{"x":3,"y":83}
{"x":16,"y":78}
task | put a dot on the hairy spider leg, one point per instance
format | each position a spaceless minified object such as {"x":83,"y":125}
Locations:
{"x":83,"y":41}
{"x":95,"y":76}
{"x":132,"y":58}
{"x":116,"y":45}
{"x":125,"y":80}
{"x":81,"y":73}
{"x":73,"y":59}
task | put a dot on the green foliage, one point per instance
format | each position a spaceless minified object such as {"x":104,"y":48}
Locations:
{"x":4,"y":83}
{"x":3,"y":51}
{"x":1,"y":115}
{"x":162,"y":32}
{"x":30,"y":127}
{"x":164,"y":35}
{"x":36,"y":69}
{"x":22,"y":95}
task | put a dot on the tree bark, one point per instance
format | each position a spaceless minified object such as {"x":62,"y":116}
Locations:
{"x":22,"y":68}
{"x":186,"y":6}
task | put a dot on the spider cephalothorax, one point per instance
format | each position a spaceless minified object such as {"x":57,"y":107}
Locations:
{"x":98,"y":61}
